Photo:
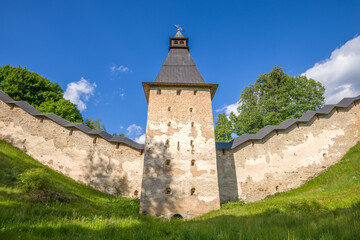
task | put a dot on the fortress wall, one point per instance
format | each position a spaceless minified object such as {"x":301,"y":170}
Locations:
{"x":73,"y":153}
{"x":286,"y":159}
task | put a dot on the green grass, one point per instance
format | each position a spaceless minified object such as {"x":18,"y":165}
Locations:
{"x":327,"y":207}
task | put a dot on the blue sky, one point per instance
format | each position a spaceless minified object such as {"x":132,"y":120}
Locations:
{"x":101,"y":51}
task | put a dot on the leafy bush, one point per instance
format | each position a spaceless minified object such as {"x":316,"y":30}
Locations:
{"x":35,"y":179}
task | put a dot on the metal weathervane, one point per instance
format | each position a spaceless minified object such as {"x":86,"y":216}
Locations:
{"x":179,"y":28}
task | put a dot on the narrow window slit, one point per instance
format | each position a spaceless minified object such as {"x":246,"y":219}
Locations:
{"x":169,"y":124}
{"x":94,"y":141}
{"x":195,"y":91}
{"x":71,"y":132}
{"x":169,"y":108}
{"x":178,"y":146}
{"x":158,"y":91}
{"x":192,"y":191}
{"x":193,"y":162}
{"x":192,"y":124}
{"x":167,"y":162}
{"x":178,"y":92}
{"x":223,"y":151}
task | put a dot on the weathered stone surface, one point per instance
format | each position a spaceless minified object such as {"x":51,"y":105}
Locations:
{"x":97,"y":163}
{"x":287,"y":159}
{"x":180,"y":153}
{"x":281,"y":161}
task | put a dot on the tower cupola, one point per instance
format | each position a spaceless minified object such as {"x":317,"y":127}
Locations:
{"x":179,"y":41}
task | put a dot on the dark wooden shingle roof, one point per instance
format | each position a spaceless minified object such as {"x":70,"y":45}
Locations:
{"x":179,"y":67}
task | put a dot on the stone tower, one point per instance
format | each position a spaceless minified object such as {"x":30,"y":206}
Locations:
{"x":180,"y":173}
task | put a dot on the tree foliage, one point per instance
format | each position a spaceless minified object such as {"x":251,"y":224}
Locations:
{"x":223,"y":129}
{"x":118,"y":134}
{"x":23,"y":85}
{"x":274,"y":98}
{"x":94,"y":124}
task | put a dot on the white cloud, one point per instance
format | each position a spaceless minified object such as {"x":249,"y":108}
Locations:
{"x":133,"y":130}
{"x":140,"y":139}
{"x":120,"y":69}
{"x":79,"y":92}
{"x":340,"y":74}
{"x":229,"y":108}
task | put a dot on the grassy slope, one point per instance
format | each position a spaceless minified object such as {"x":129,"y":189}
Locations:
{"x":328,"y":207}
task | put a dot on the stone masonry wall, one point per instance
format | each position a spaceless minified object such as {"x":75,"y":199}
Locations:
{"x":286,"y":159}
{"x":101,"y":164}
{"x":186,"y":164}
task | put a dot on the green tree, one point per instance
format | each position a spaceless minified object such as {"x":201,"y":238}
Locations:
{"x":118,"y":135}
{"x":23,"y":85}
{"x":272,"y":99}
{"x":223,"y":129}
{"x":63,"y":108}
{"x":94,"y":124}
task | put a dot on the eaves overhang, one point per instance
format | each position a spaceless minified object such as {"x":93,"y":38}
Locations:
{"x":148,"y":85}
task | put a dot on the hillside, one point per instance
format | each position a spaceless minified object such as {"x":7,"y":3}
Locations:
{"x":327,"y":207}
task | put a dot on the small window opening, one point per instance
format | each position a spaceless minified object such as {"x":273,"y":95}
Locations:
{"x":169,"y":124}
{"x":71,"y":132}
{"x":41,"y":119}
{"x":177,"y":216}
{"x":141,"y":152}
{"x":94,"y":141}
{"x":158,"y":91}
{"x":178,"y":92}
{"x":168,"y":190}
{"x":191,"y":142}
{"x":117,"y":145}
{"x":136,"y":192}
{"x":169,"y":108}
{"x":181,"y":41}
{"x":12,"y":107}
{"x":297,"y":125}
{"x":193,"y":162}
{"x":190,"y":109}
{"x":192,"y":124}
{"x":195,"y":91}
{"x":175,"y":42}
{"x":223,"y":151}
{"x":192,"y":191}
{"x":178,"y":146}
{"x":277,"y":132}
{"x":167,"y":162}
{"x":337,"y":110}
{"x":317,"y":116}
{"x":167,"y":143}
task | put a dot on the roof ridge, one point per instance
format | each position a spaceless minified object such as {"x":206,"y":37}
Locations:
{"x":66,"y":124}
{"x":306,"y":117}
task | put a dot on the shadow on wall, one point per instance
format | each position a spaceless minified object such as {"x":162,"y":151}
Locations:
{"x":228,"y":188}
{"x":106,"y":176}
{"x":157,"y":190}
